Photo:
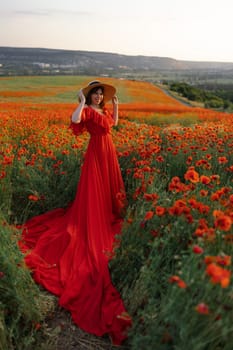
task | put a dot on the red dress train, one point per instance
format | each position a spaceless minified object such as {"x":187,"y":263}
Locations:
{"x":69,"y":249}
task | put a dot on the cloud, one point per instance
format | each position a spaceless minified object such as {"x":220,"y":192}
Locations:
{"x":50,"y":12}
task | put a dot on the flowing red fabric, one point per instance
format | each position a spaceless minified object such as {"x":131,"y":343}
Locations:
{"x":69,"y":249}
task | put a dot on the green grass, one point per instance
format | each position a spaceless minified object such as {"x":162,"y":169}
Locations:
{"x":57,"y":89}
{"x":38,"y":82}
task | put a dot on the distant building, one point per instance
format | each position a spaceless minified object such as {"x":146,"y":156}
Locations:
{"x":42,"y":64}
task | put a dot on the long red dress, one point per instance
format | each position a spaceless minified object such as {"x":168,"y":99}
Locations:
{"x":69,"y":249}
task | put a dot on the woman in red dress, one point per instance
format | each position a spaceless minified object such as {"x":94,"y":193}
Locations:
{"x":69,"y":249}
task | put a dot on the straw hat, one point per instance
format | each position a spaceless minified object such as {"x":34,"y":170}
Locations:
{"x":109,"y":90}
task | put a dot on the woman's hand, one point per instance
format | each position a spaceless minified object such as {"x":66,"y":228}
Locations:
{"x":115,"y":109}
{"x":81,"y":96}
{"x":115,"y":100}
{"x":77,"y":114}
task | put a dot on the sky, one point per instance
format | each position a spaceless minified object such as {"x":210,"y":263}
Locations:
{"x":194,"y":30}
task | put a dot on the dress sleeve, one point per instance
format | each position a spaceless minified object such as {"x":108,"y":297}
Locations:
{"x":79,"y":128}
{"x":110,"y":117}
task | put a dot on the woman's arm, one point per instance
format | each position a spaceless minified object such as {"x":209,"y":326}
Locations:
{"x":115,"y":109}
{"x":76,"y":116}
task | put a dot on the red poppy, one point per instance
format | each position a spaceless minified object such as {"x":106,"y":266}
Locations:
{"x":202,"y":308}
{"x":160,"y":211}
{"x":148,"y":215}
{"x":197,"y":249}
{"x":176,"y":279}
{"x":222,"y":160}
{"x":218,"y":274}
{"x":205,"y":179}
{"x":33,"y":198}
{"x":192,"y":175}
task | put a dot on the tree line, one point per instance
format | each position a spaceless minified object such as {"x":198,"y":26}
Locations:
{"x":211,"y":97}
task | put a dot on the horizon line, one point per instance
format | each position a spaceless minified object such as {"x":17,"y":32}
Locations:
{"x":116,"y":53}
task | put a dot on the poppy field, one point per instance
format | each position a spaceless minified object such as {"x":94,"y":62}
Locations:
{"x":173,"y":267}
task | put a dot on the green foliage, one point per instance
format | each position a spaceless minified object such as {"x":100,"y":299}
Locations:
{"x":164,"y":315}
{"x":52,"y":178}
{"x":50,"y":187}
{"x":196,"y":94}
{"x":153,"y":250}
{"x":222,"y":90}
{"x":19,"y":296}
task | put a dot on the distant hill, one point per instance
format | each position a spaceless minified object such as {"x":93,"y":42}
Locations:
{"x":53,"y":61}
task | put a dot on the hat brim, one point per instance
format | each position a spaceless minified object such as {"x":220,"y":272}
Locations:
{"x":109,"y":90}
